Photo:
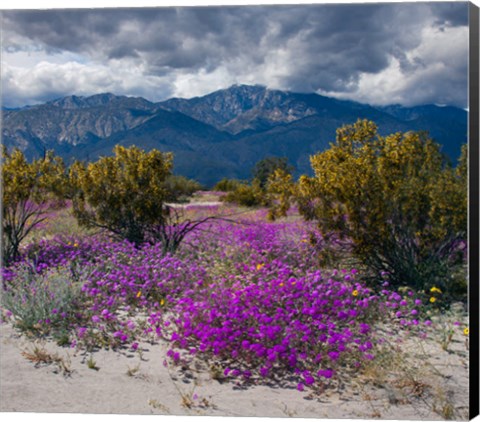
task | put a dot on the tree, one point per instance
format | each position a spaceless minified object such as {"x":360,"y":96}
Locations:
{"x":256,"y":193}
{"x":267,"y":166}
{"x":393,"y":198}
{"x":126,"y":195}
{"x":27,"y":191}
{"x":248,"y":195}
{"x":227,"y":185}
{"x":181,"y":187}
{"x":280,"y":190}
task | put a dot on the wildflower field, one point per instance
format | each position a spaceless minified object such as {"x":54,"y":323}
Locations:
{"x":246,"y":301}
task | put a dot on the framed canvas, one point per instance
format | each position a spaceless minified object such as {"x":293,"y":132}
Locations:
{"x":240,"y":209}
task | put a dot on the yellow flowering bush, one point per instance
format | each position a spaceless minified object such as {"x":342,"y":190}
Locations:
{"x":28,"y":189}
{"x":124,"y":193}
{"x":393,"y":200}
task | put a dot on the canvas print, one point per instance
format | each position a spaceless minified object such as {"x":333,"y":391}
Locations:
{"x":256,"y":210}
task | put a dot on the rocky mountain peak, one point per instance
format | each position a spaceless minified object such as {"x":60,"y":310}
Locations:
{"x":76,"y":102}
{"x":242,"y":107}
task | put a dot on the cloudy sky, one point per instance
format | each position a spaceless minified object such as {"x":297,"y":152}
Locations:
{"x":406,"y":53}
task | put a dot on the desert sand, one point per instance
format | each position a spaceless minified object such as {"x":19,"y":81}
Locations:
{"x":434,"y":386}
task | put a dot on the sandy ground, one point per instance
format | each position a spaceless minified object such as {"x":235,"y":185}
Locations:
{"x":197,"y":204}
{"x":132,"y":383}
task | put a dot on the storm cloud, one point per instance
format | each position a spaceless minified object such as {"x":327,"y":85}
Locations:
{"x":410,"y":53}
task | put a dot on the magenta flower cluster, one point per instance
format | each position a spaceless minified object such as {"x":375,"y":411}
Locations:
{"x":277,"y":323}
{"x":248,"y":295}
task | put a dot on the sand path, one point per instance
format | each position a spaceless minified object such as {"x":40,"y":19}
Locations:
{"x":127,"y":383}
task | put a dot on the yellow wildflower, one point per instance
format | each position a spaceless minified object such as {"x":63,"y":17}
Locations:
{"x":162,"y":302}
{"x":75,"y":245}
{"x":260,"y":266}
{"x":466,"y":331}
{"x":139,"y":294}
{"x":435,"y":290}
{"x":281,"y":284}
{"x":355,"y":293}
{"x":432,"y":300}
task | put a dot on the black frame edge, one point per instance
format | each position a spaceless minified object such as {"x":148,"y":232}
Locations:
{"x":473,"y":243}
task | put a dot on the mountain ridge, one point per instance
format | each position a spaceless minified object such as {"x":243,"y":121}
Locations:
{"x":221,"y":134}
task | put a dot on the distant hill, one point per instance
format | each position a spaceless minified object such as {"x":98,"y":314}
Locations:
{"x":67,"y":122}
{"x":222,"y":134}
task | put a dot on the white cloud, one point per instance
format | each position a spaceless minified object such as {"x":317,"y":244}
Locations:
{"x":47,"y":80}
{"x":435,"y":72}
{"x":380,"y":54}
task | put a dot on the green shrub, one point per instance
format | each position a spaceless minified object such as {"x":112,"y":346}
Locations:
{"x":42,"y":302}
{"x":266,"y":167}
{"x":227,"y":185}
{"x":180,"y":187}
{"x":247,"y":195}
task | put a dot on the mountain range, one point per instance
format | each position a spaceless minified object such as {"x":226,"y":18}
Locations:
{"x":222,"y":134}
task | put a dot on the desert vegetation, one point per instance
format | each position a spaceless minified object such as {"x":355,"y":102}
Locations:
{"x":306,"y":282}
